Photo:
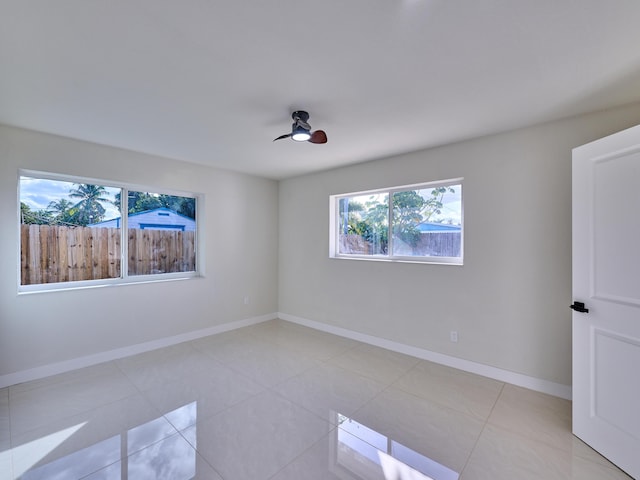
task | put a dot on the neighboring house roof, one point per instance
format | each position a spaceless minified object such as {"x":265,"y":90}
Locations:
{"x":437,"y":227}
{"x":158,"y":219}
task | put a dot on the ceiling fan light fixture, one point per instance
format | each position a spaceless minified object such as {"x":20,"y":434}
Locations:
{"x":301,"y":130}
{"x":300,"y":134}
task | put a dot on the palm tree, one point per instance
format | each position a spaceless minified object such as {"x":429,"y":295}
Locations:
{"x":62,"y":210}
{"x":88,"y":209}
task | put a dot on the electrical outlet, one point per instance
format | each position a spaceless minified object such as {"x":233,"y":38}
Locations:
{"x":246,"y":300}
{"x":453,"y":336}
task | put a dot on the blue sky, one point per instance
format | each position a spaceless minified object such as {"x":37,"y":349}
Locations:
{"x":38,"y":193}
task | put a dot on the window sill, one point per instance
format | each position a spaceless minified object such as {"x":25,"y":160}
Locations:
{"x":430,"y":261}
{"x":117,"y":282}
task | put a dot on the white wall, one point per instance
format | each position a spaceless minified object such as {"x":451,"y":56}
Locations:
{"x":509,"y":302}
{"x":241,"y":215}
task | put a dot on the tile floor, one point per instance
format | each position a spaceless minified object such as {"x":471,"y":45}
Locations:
{"x":279,"y":401}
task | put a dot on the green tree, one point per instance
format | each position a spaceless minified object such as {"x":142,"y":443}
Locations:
{"x":371,"y":219}
{"x":375,"y":224}
{"x":408,"y":207}
{"x":349,"y":215}
{"x":62,"y":211}
{"x":187,"y":207}
{"x":30,"y":217}
{"x":143,"y":201}
{"x":89,"y":209}
{"x":411,"y":208}
{"x":367,"y":220}
{"x":26,"y":215}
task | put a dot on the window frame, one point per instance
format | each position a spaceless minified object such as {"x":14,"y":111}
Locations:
{"x":334,"y":222}
{"x":125,"y":278}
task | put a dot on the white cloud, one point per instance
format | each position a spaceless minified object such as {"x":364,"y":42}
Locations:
{"x":38,"y":193}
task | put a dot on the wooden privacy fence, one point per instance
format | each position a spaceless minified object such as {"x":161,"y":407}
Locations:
{"x":439,"y":244}
{"x":53,"y":253}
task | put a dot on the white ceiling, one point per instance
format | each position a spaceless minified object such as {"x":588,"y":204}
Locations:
{"x":213,"y":82}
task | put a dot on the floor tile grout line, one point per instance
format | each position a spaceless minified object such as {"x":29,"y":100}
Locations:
{"x":441,"y":404}
{"x":85,"y":412}
{"x":413,"y":367}
{"x":96,"y":471}
{"x":115,"y":362}
{"x":276,"y":389}
{"x":145,"y":393}
{"x":277,"y":383}
{"x":268,"y":390}
{"x":128,"y":454}
{"x":364,"y":374}
{"x":137,"y":392}
{"x":484,"y":425}
{"x":321,"y":439}
{"x":358,"y":373}
{"x":146,"y":398}
{"x":198,"y":453}
{"x":519,"y":434}
{"x":297,"y":404}
{"x":179,"y":431}
{"x":332,"y":431}
{"x":391,"y":386}
{"x":387,"y":387}
{"x":433,"y":402}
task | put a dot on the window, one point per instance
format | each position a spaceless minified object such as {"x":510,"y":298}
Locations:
{"x":73,"y":230}
{"x":425,"y":222}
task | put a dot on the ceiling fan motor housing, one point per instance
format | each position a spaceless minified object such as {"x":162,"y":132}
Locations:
{"x":300,"y":115}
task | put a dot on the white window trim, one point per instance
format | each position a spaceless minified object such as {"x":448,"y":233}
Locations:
{"x":334,"y":202}
{"x":124,"y":278}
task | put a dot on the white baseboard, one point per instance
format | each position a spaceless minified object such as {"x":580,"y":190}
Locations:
{"x":532,"y":383}
{"x":89,"y":360}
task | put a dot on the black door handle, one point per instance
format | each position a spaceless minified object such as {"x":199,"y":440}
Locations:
{"x":579,"y":307}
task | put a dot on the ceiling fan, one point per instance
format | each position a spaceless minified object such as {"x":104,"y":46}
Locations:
{"x":301,"y":130}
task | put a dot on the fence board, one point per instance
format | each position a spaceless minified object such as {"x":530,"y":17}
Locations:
{"x":63,"y":254}
{"x":75,"y":255}
{"x":34,"y":249}
{"x":115,"y":257}
{"x":52,"y":248}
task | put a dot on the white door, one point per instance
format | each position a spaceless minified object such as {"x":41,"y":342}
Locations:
{"x":606,"y":279}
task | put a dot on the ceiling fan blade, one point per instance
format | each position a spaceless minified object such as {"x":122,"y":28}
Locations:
{"x":318,"y":137}
{"x":286,"y":135}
